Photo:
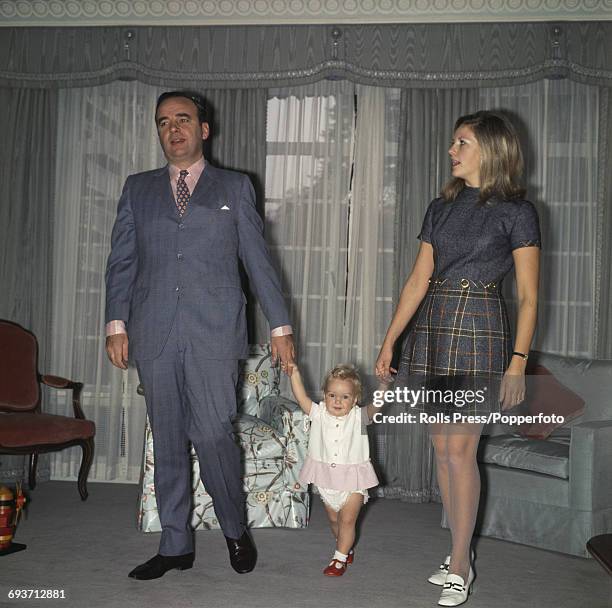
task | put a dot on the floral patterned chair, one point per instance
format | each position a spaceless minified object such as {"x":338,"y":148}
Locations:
{"x":270,"y":431}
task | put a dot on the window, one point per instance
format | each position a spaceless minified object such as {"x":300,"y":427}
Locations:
{"x":316,"y":221}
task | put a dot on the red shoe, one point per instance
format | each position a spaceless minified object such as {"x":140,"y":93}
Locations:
{"x":335,"y":568}
{"x":351,"y":557}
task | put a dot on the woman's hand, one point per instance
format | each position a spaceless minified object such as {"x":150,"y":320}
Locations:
{"x":412,"y":295}
{"x":512,"y":389}
{"x":384,"y":371}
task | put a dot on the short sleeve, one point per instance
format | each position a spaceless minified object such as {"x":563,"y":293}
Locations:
{"x":315,"y":413}
{"x":315,"y":410}
{"x":425,"y":234}
{"x":526,"y":228}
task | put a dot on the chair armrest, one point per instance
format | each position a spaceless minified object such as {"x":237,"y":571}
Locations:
{"x":591,"y":465}
{"x":57,"y":382}
{"x":282,"y":414}
{"x":64,"y":383}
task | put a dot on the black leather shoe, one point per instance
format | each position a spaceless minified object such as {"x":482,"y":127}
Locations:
{"x":160,"y":564}
{"x":242,"y":553}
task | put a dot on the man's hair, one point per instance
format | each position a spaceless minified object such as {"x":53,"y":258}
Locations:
{"x":344,"y":372}
{"x":196,"y":98}
{"x":501,"y":160}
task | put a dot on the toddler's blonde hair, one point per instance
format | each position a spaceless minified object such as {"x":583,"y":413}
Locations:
{"x":345,"y":371}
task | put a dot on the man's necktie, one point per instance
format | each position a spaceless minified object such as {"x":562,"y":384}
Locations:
{"x":182,"y":192}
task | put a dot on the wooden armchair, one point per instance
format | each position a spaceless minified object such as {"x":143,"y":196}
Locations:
{"x":24,"y":429}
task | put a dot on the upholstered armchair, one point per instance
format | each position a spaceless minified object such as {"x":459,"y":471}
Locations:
{"x":24,"y":428}
{"x":553,"y":493}
{"x":270,"y":431}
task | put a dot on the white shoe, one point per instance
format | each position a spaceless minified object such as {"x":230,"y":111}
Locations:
{"x":439,"y":576}
{"x":455,"y":590}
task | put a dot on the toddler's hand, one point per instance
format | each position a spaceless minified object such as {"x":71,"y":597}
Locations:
{"x":385,"y":383}
{"x":293,"y":368}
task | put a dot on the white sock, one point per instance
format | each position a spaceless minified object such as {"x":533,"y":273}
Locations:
{"x":341,"y":557}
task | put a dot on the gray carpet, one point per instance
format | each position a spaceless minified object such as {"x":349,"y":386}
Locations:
{"x":88,"y":548}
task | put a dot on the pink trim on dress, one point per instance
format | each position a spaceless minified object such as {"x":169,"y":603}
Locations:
{"x":338,"y":476}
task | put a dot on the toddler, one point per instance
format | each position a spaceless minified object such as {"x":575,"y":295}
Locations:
{"x":338,"y":460}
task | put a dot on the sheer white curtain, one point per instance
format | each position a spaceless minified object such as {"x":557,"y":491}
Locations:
{"x":330,"y":196}
{"x":104,"y":134}
{"x":370,"y":246}
{"x":559,"y":120}
{"x":309,"y":158}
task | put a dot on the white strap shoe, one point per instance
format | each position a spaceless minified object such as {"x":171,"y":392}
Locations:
{"x":439,"y":576}
{"x":455,"y":590}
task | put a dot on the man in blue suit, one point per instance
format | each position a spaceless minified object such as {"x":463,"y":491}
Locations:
{"x":175,"y":307}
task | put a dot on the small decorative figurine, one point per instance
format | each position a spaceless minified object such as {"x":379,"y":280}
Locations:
{"x":10,"y":508}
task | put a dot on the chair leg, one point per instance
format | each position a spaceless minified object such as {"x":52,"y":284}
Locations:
{"x":88,"y":451}
{"x":32,"y":472}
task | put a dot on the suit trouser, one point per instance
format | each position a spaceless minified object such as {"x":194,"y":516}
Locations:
{"x":192,"y":398}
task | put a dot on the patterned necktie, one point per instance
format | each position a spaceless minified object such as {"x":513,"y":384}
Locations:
{"x":182,"y":192}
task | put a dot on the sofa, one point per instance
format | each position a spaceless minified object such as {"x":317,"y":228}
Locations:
{"x":271,"y":433}
{"x":553,"y":493}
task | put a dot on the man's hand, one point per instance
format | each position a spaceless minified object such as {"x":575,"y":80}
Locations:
{"x":117,"y":350}
{"x":283,"y":349}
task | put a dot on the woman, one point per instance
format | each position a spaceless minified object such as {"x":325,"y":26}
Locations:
{"x":471,"y":237}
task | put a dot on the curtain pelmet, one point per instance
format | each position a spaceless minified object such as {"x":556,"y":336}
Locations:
{"x":405,"y":55}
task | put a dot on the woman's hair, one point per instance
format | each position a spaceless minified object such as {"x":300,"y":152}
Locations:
{"x":501,"y":159}
{"x":344,"y":372}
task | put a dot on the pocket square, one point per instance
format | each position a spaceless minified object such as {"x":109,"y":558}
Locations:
{"x":225,"y":208}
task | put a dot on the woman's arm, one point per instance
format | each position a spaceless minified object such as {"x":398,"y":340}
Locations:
{"x":413,"y":292}
{"x":527,"y":272}
{"x":299,"y":392}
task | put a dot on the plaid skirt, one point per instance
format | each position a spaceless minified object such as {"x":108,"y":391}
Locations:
{"x":459,"y":343}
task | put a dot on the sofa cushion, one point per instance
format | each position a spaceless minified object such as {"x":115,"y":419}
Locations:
{"x":549,"y":457}
{"x":589,"y":378}
{"x":561,"y":435}
{"x":546,"y":395}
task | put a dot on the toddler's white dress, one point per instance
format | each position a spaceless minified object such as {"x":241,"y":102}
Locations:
{"x":338,"y":460}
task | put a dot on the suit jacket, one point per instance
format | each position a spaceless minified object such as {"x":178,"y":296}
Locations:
{"x":160,"y":261}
